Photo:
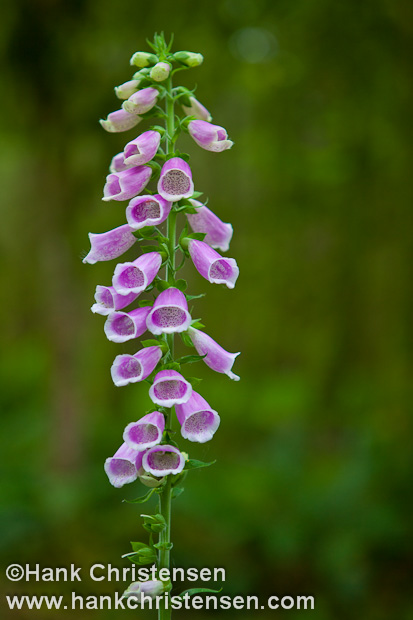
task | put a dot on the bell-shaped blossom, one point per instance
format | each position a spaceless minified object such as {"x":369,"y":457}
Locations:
{"x":142,"y":149}
{"x":134,"y":368}
{"x":169,"y":388}
{"x":110,"y":244}
{"x":141,"y":102}
{"x":209,"y":137}
{"x":127,"y":183}
{"x":125,"y":90}
{"x":136,"y":276}
{"x":118,"y":163}
{"x":216,"y":357}
{"x":146,"y":432}
{"x":160,"y":71}
{"x":120,"y":120}
{"x":175,"y":181}
{"x":169,"y":313}
{"x":197,"y":109}
{"x":143,"y":590}
{"x":123,"y":467}
{"x":198,"y":421}
{"x":108,"y":300}
{"x":211,"y":265}
{"x":123,"y":326}
{"x":218,"y":233}
{"x":163,"y":460}
{"x":147,"y":211}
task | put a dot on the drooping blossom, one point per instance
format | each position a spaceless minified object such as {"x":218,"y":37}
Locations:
{"x":123,"y":326}
{"x":134,"y":277}
{"x":198,"y":421}
{"x":142,"y":590}
{"x":146,"y":432}
{"x":170,"y":388}
{"x":169,"y":313}
{"x":197,"y":109}
{"x":108,"y":300}
{"x":142,"y":149}
{"x":125,"y":90}
{"x":175,"y":181}
{"x":147,"y":211}
{"x":211,"y":265}
{"x":162,"y":460}
{"x":218,"y":233}
{"x":141,"y":102}
{"x":216,"y":357}
{"x":126,"y":184}
{"x":123,"y":467}
{"x":120,"y":120}
{"x":134,"y":368}
{"x":209,"y":137}
{"x":110,"y":244}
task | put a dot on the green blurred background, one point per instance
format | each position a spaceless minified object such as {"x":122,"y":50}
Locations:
{"x":312,"y":490}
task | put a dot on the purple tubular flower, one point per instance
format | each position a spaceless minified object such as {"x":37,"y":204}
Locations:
{"x":218,"y":233}
{"x":127,"y":183}
{"x":142,"y":149}
{"x":120,"y":120}
{"x":141,"y":102}
{"x":122,"y":468}
{"x":209,"y":137}
{"x":170,"y":388}
{"x":175,"y":181}
{"x":169,"y":313}
{"x":123,"y":326}
{"x":163,"y":460}
{"x":211,"y":265}
{"x":198,"y":421}
{"x":110,"y":244}
{"x":118,"y":164}
{"x":134,"y":368}
{"x":198,"y":110}
{"x":146,"y":432}
{"x":135,"y":277}
{"x":147,"y":211}
{"x":108,"y":300}
{"x":216,"y":357}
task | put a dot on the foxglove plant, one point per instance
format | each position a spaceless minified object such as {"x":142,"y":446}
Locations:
{"x":149,"y":452}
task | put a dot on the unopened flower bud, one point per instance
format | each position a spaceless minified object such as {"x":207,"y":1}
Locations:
{"x":143,"y":59}
{"x":125,"y":90}
{"x":150,"y":589}
{"x":160,"y":71}
{"x":190,"y":59}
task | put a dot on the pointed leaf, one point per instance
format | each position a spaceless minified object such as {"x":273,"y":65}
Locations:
{"x":193,"y":464}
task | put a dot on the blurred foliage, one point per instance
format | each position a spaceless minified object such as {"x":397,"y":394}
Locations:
{"x":311,"y":493}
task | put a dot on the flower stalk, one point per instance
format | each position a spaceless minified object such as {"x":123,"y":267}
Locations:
{"x":149,"y":452}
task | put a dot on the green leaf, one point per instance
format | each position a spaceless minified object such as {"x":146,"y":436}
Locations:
{"x":142,"y":499}
{"x":197,"y":325}
{"x":165,"y":546}
{"x":190,"y":297}
{"x":196,"y":195}
{"x":147,"y":231}
{"x":177,"y":491}
{"x":198,"y":591}
{"x":137,"y":546}
{"x":194,"y":381}
{"x":149,"y":248}
{"x":150,"y":343}
{"x":162,"y":285}
{"x":181,"y":284}
{"x":171,"y":366}
{"x":186,"y":339}
{"x":197,"y":236}
{"x":145,"y":302}
{"x":190,"y":359}
{"x":193,"y":464}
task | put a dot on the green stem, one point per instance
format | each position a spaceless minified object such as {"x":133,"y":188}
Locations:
{"x":166,"y":495}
